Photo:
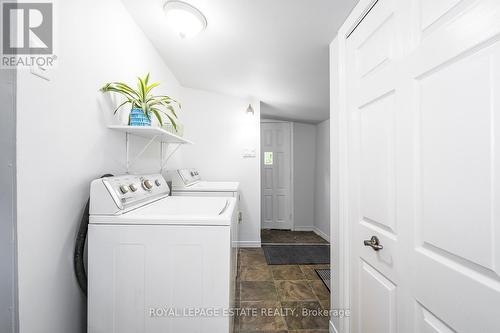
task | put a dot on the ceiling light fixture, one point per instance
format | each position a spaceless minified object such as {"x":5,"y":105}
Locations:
{"x":186,"y":20}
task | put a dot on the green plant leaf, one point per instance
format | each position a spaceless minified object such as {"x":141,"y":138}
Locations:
{"x":119,"y":106}
{"x":156,"y":112}
{"x":119,"y":87}
{"x":126,"y":88}
{"x":171,"y":109}
{"x":124,"y":93}
{"x":151,"y":87}
{"x":144,"y":84}
{"x":170,"y":98}
{"x":174,"y":123}
{"x":156,"y":102}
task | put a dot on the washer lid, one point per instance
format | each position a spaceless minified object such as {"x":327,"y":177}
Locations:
{"x":176,"y":211}
{"x":205,"y":186}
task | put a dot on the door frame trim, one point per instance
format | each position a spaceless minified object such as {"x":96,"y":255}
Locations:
{"x":339,"y":137}
{"x":292,"y":177}
{"x":8,"y":215}
{"x":292,"y":187}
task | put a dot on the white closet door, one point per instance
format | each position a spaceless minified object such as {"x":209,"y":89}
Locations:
{"x":424,"y":108}
{"x":378,"y":295}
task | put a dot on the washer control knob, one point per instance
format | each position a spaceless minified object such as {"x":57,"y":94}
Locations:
{"x":147,"y":184}
{"x":133,"y":187}
{"x":157,"y":182}
{"x":124,"y":189}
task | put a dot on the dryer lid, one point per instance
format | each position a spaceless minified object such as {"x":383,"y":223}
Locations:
{"x":205,"y":186}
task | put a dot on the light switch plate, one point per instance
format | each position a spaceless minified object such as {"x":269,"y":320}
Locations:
{"x":41,"y":72}
{"x":249,"y":153}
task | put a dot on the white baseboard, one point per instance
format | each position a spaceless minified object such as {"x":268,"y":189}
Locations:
{"x":322,"y":234}
{"x":249,"y":244}
{"x":332,"y":328}
{"x":303,"y":228}
{"x":315,"y":230}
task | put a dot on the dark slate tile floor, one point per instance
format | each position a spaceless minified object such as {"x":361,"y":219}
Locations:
{"x":281,"y":295}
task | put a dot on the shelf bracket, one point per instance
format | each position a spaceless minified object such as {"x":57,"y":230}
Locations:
{"x":128,"y":162}
{"x":163,"y":160}
{"x":153,"y":134}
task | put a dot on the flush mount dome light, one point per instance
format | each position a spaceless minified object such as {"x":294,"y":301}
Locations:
{"x":186,"y":20}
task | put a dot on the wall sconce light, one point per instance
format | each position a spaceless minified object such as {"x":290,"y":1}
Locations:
{"x":250,"y":110}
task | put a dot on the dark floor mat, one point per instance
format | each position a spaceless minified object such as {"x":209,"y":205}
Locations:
{"x":297,"y":254}
{"x":273,"y":236}
{"x":324,"y":275}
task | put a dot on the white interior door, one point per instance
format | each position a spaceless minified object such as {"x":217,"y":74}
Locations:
{"x":373,"y":92}
{"x":424,"y":102}
{"x":276,"y":175}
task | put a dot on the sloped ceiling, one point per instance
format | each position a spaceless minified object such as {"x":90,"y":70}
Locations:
{"x":272,"y":50}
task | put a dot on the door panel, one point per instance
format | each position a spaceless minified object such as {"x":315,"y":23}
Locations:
{"x":280,"y":170}
{"x":268,"y":179}
{"x":378,"y":306}
{"x":281,"y":211}
{"x":268,"y":208}
{"x":377,"y":47}
{"x":432,"y":10}
{"x":428,"y":323}
{"x":276,"y":172}
{"x":377,"y":163}
{"x":457,"y":138}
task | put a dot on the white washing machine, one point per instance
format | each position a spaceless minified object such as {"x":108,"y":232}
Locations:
{"x":158,"y":263}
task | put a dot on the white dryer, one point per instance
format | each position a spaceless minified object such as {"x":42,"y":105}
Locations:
{"x":157,"y":263}
{"x":188,"y":182}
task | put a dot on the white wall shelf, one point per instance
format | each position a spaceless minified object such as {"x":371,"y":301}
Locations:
{"x":150,"y":132}
{"x":154,"y":134}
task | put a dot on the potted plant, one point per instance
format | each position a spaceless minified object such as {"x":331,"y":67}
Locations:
{"x":143,"y":103}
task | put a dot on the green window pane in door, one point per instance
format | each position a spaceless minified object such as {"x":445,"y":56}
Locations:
{"x":268,"y":158}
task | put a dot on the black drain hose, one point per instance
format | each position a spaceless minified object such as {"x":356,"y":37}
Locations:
{"x":78,"y":259}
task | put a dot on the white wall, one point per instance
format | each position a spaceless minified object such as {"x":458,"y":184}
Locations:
{"x":221,"y":131}
{"x":311,"y":175}
{"x":63,"y":144}
{"x":322,"y":180}
{"x":304,"y":168}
